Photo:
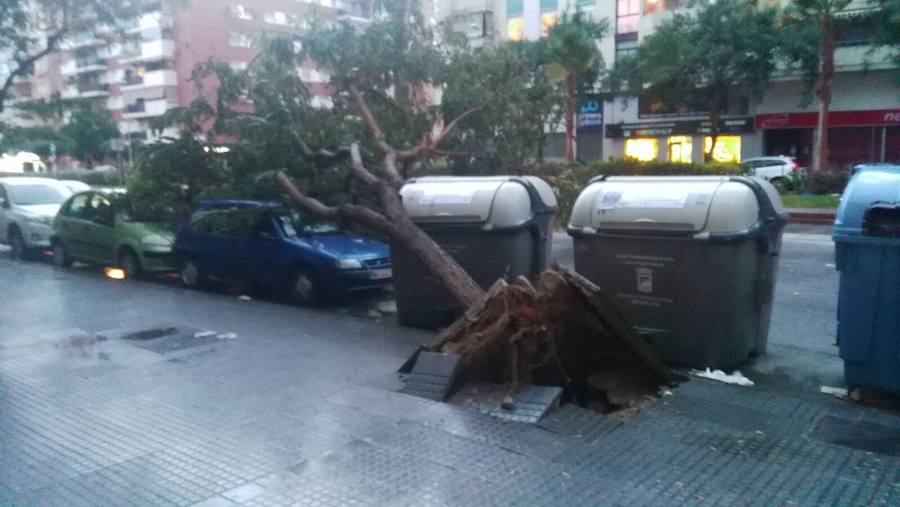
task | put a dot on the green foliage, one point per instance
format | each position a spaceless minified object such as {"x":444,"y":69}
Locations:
{"x":568,"y":180}
{"x":572,"y":46}
{"x":794,"y":182}
{"x":88,"y":130}
{"x":827,"y":182}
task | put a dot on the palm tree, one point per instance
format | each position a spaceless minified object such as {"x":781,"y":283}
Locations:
{"x":821,"y":14}
{"x":572,"y":44}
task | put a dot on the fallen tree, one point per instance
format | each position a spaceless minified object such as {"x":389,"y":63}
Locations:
{"x":564,"y":332}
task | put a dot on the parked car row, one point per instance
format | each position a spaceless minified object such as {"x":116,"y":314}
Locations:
{"x":234,"y":240}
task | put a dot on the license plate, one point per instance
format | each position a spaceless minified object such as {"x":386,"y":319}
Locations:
{"x":380,"y":274}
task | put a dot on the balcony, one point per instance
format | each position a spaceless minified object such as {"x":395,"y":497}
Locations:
{"x":153,"y":50}
{"x":93,"y":89}
{"x":162,"y":77}
{"x":147,"y":108}
{"x":83,"y":65}
{"x":82,"y":40}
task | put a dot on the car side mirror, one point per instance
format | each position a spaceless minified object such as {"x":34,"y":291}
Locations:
{"x":3,"y":202}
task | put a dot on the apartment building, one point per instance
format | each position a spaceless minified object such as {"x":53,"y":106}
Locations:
{"x":864,"y":122}
{"x":142,"y":68}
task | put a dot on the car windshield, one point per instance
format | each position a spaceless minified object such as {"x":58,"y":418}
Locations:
{"x":27,"y":195}
{"x":295,"y":224}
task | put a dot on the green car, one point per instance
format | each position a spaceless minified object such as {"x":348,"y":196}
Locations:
{"x":96,"y":227}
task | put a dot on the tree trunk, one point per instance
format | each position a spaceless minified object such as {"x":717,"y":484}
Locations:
{"x":714,"y":118}
{"x":438,"y":262}
{"x":826,"y":76}
{"x":571,"y":91}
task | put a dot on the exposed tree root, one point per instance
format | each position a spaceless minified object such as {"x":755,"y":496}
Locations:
{"x":563,"y":332}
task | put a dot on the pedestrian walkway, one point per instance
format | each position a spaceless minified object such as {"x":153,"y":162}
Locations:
{"x":139,"y":394}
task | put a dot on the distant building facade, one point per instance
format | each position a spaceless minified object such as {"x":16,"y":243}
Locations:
{"x":864,"y":122}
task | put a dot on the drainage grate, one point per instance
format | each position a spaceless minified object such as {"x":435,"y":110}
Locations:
{"x":163,"y":339}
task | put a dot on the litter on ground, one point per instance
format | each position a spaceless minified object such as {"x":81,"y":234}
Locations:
{"x":227,"y":336}
{"x":736,"y":378}
{"x":244,"y":297}
{"x":204,"y":334}
{"x":837,"y":392}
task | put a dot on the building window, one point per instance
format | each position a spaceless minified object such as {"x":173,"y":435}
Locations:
{"x":644,"y":150}
{"x":585,"y":3}
{"x":626,"y":46}
{"x":241,"y":12}
{"x":547,"y":22}
{"x":276,"y":18}
{"x":549,"y":5}
{"x":652,"y":6}
{"x":514,"y":8}
{"x":628,"y":15}
{"x":680,"y":148}
{"x":515,"y":29}
{"x":240,"y":40}
{"x":238,"y":66}
{"x":728,"y":148}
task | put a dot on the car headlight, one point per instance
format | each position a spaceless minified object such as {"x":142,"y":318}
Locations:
{"x":348,"y":264}
{"x":155,"y":240}
{"x":40,"y":219}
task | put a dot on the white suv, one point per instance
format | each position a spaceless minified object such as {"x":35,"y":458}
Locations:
{"x":771,"y":169}
{"x":27,"y":209}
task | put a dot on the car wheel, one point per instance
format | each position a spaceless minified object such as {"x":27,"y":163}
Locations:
{"x":130,"y":264}
{"x":303,"y":288}
{"x":17,"y":248}
{"x":191,"y":274}
{"x":61,"y":256}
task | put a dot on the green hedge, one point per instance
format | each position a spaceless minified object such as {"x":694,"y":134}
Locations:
{"x":93,"y":178}
{"x":568,"y":180}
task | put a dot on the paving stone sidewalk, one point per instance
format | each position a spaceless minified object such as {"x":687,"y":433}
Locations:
{"x":300,"y":408}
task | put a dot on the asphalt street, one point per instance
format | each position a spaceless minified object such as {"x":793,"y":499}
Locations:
{"x":144,"y":393}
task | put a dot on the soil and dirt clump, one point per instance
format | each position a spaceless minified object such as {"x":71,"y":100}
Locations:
{"x":563,"y":331}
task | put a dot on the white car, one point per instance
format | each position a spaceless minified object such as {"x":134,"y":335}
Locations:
{"x":771,"y":169}
{"x":27,"y":208}
{"x":75,"y":185}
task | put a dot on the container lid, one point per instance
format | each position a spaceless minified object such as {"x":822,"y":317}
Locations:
{"x":689,"y":205}
{"x":501,"y":201}
{"x":872,"y":192}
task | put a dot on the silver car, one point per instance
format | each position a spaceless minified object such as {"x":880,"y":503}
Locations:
{"x":27,"y":209}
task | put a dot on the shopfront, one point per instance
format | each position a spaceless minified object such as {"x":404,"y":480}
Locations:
{"x":682,"y":140}
{"x":854,"y":137}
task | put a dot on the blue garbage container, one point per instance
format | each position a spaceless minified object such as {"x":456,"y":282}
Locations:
{"x":867,"y":253}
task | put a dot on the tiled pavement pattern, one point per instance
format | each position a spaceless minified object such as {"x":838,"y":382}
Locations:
{"x":298,"y":411}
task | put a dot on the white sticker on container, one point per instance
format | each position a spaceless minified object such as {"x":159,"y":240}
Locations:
{"x":609,"y":200}
{"x":447,"y":196}
{"x":669,"y":198}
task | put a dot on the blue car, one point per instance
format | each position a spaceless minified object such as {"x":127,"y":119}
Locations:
{"x":261,"y":242}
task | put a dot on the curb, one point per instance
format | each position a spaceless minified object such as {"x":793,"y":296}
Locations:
{"x":812,"y":216}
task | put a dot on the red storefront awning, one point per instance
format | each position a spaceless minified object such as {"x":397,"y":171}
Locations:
{"x":835,"y":119}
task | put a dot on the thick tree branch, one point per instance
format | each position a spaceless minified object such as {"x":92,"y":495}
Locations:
{"x":351,"y":212}
{"x":426,"y":147}
{"x":320,"y":155}
{"x":368,"y":117}
{"x":358,"y":169}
